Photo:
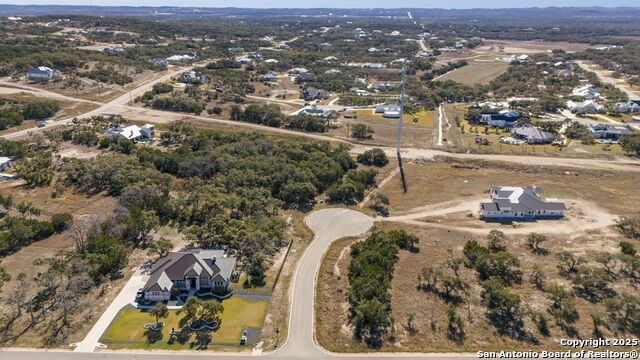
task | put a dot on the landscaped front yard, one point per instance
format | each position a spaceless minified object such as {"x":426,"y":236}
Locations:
{"x":238,"y":314}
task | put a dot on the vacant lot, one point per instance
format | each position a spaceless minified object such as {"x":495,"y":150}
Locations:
{"x":415,"y":134}
{"x":481,"y":70}
{"x":530,"y":47}
{"x":428,"y":330}
{"x":431,"y":183}
{"x":238,"y":314}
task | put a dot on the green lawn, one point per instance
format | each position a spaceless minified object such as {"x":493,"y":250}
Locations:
{"x":238,"y":313}
{"x":425,"y":117}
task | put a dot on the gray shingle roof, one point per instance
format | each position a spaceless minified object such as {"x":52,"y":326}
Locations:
{"x":177,"y":265}
{"x":520,"y":199}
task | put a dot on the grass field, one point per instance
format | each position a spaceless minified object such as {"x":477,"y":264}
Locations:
{"x":238,"y":314}
{"x":424,"y":117}
{"x":479,"y":71}
{"x":415,"y":134}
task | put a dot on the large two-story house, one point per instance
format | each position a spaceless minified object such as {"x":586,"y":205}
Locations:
{"x":202,"y":270}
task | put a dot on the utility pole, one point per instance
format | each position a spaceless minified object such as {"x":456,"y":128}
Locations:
{"x":404,"y":83}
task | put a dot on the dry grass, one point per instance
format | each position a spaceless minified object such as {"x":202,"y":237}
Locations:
{"x":479,"y":71}
{"x":415,"y":135}
{"x":276,"y":323}
{"x":429,"y":333}
{"x":433,"y":183}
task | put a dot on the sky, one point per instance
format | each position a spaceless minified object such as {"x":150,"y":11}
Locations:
{"x":448,"y":4}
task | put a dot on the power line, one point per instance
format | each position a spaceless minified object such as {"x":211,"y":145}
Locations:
{"x":404,"y":84}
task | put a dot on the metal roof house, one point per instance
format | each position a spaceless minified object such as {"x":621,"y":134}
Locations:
{"x":193,"y":77}
{"x":312,"y":93}
{"x":512,"y":203}
{"x":43,"y":73}
{"x":189,"y":271}
{"x":389,"y":111}
{"x":532,"y":135}
{"x":608,"y":132}
{"x":134,"y":133}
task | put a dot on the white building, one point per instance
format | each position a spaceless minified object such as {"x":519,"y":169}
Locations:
{"x":519,"y":203}
{"x":589,"y":106}
{"x":134,"y":133}
{"x":5,"y":162}
{"x":588,"y":91}
{"x":43,"y":73}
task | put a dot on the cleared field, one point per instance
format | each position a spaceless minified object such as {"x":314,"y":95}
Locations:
{"x":238,"y":314}
{"x":531,"y":47}
{"x":479,"y":71}
{"x":433,"y":183}
{"x":415,"y":134}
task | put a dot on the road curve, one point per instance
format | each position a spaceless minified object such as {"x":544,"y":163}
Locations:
{"x":328,"y":225}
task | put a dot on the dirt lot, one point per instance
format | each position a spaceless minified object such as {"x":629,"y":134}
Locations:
{"x":429,"y":324}
{"x":434,"y":183}
{"x":530,"y":47}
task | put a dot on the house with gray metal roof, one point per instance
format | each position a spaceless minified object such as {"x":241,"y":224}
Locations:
{"x":519,"y":203}
{"x":200,"y":270}
{"x":532,"y":135}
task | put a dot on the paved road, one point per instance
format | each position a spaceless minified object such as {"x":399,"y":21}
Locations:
{"x":606,"y":78}
{"x":104,"y":108}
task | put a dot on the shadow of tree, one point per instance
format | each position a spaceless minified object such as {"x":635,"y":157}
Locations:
{"x":153,"y":335}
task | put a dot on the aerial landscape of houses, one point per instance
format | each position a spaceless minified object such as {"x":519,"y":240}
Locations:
{"x":335,"y":179}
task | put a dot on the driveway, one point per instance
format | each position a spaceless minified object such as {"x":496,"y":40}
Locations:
{"x":125,"y":297}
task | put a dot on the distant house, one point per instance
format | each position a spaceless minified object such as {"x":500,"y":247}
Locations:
{"x":193,"y":77}
{"x":589,"y":106}
{"x":332,"y":71}
{"x":269,"y":77}
{"x":271,"y":61}
{"x":608,"y":132}
{"x":502,"y":119}
{"x":515,"y":203}
{"x":375,"y":66}
{"x":388,"y":111}
{"x":587,"y":91}
{"x":628,"y":107}
{"x":202,"y":271}
{"x":331,"y":58}
{"x":134,"y":133}
{"x":43,"y":73}
{"x":284,"y":47}
{"x":112,"y":50}
{"x":306,"y":77}
{"x":236,"y":49}
{"x":312,"y":93}
{"x":532,"y":135}
{"x":159,"y":62}
{"x":5,"y":162}
{"x":382,"y":86}
{"x":244,"y":60}
{"x":180,"y":58}
{"x":296,"y":71}
{"x":256,"y":55}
